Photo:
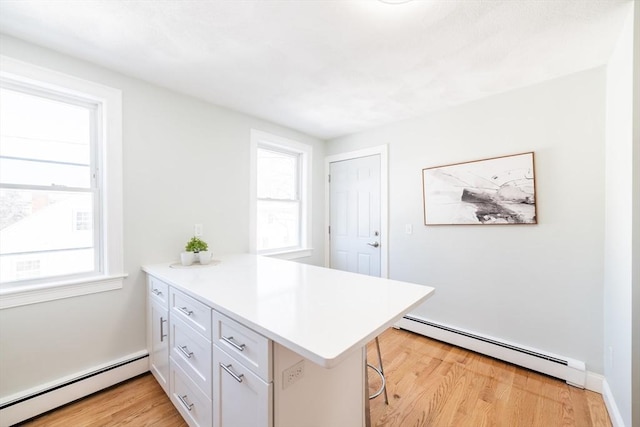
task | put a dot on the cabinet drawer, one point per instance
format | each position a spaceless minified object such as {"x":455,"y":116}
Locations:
{"x":247,"y":346}
{"x":242,"y":398}
{"x":192,"y":404}
{"x":192,"y":352}
{"x":193,"y":312}
{"x":158,"y":291}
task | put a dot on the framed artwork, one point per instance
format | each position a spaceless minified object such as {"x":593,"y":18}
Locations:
{"x":500,"y":190}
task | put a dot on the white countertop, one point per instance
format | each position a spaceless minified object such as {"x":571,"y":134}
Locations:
{"x":320,"y":313}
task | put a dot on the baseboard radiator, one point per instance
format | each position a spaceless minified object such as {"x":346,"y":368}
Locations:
{"x":570,"y":370}
{"x":39,"y":400}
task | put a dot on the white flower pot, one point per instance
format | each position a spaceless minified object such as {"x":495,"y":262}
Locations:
{"x":204,"y":257}
{"x":187,"y":258}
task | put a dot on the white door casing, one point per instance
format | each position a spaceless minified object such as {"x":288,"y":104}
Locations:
{"x":357,"y":212}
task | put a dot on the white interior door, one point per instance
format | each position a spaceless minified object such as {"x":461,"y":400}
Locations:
{"x":354,"y":209}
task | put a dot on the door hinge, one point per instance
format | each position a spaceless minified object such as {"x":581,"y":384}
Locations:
{"x":329,"y":176}
{"x":329,"y":229}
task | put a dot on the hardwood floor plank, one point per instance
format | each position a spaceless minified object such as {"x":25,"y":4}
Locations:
{"x":435,"y":384}
{"x":139,"y":401}
{"x":429,"y":383}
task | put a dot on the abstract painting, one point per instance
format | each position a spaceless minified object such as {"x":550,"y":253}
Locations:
{"x":500,"y":190}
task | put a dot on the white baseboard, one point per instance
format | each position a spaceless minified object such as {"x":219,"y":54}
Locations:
{"x":49,"y":396}
{"x":612,"y":408}
{"x":572,"y":371}
{"x":594,"y":382}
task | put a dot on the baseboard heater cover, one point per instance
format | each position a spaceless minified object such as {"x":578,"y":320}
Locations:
{"x":50,"y":397}
{"x":570,"y":370}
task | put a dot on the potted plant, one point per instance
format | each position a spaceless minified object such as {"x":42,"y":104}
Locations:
{"x":195,"y":248}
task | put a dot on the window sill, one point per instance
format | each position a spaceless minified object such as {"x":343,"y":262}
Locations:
{"x":33,"y":294}
{"x":290,"y":254}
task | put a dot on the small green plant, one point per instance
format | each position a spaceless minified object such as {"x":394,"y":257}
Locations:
{"x":196,"y":245}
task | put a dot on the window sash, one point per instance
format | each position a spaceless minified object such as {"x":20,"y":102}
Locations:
{"x":93,"y":180}
{"x":295,"y":200}
{"x":304,"y":153}
{"x":297,"y":158}
{"x":296,"y":208}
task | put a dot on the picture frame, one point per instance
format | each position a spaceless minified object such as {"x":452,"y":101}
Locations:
{"x":497,"y":190}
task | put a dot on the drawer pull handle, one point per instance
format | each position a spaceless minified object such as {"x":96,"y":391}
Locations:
{"x":239,"y":347}
{"x":186,"y":351}
{"x":183,"y":400}
{"x":162,"y":334}
{"x":230,"y":372}
{"x":185,"y":310}
{"x":156,"y":291}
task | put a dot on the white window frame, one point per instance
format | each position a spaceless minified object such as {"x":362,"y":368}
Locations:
{"x":109,"y":101}
{"x":261,"y":139}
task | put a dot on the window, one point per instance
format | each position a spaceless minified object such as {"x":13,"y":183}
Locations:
{"x":47,"y":172}
{"x":83,"y":221}
{"x":281,"y":204}
{"x":60,"y":145}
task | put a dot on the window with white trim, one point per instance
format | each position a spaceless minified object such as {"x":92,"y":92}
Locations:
{"x":281,"y":195}
{"x":60,"y":145}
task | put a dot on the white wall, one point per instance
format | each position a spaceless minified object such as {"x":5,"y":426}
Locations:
{"x":185,"y":162}
{"x":535,"y":285}
{"x":618,"y":229}
{"x":635,"y":286}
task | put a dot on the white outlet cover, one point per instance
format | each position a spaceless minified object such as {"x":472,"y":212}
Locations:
{"x":293,"y":374}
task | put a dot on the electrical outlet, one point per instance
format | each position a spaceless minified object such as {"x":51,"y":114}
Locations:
{"x":197,"y":230}
{"x":292,"y":374}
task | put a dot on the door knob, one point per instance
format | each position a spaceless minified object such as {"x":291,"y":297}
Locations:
{"x":374,"y":244}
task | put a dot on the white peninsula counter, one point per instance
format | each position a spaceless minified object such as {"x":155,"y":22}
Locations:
{"x":257,"y":341}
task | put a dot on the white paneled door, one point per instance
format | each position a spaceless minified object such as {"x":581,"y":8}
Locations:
{"x":354,"y":202}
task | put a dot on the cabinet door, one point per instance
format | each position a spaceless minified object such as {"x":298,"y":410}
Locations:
{"x":241,"y":399}
{"x":159,"y":352}
{"x":192,"y":404}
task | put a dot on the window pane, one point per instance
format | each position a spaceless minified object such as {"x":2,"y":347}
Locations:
{"x":39,"y":128}
{"x":50,"y":229}
{"x":47,"y":174}
{"x":278,"y":225}
{"x":45,"y":264}
{"x":277,"y":175}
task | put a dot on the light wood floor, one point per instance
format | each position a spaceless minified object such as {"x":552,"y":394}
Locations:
{"x":429,"y":383}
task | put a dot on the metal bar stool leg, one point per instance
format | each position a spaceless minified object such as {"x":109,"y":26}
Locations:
{"x":380,"y":371}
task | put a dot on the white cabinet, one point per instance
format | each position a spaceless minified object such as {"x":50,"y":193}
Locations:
{"x":219,"y":372}
{"x":191,"y":402}
{"x":242,"y":398}
{"x":159,"y":331}
{"x":190,"y":358}
{"x":242,"y":375}
{"x":192,"y":352}
{"x":251,"y":349}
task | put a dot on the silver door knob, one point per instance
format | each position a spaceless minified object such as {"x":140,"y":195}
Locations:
{"x":374,"y":244}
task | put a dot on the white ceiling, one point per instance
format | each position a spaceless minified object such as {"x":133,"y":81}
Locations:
{"x":328,"y":67}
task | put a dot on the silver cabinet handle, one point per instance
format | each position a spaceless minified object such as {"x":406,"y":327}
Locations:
{"x":162,"y":334}
{"x":374,"y":244}
{"x":185,"y":310}
{"x":183,"y":400}
{"x":157,"y":292}
{"x":239,"y":347}
{"x":230,"y":372}
{"x":186,"y":351}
